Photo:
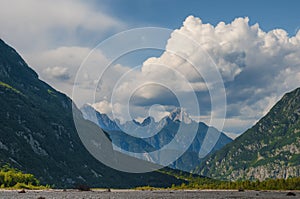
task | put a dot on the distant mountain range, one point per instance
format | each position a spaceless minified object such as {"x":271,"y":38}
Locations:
{"x":270,"y":149}
{"x":149,"y":136}
{"x":38,"y":136}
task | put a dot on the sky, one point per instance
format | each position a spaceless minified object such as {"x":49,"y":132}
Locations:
{"x":170,"y":14}
{"x":253,"y":47}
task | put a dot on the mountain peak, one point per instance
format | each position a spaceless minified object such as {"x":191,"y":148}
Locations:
{"x":179,"y":114}
{"x":13,"y":68}
{"x":147,"y":121}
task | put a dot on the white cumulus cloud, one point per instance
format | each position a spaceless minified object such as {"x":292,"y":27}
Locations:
{"x":256,"y":67}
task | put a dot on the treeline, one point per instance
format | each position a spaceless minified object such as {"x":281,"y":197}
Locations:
{"x":270,"y":184}
{"x":200,"y":182}
{"x":13,"y":178}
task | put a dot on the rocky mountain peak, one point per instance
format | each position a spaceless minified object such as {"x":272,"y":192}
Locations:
{"x":147,"y":121}
{"x":179,"y":114}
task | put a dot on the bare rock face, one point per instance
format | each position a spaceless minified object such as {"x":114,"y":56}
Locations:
{"x":267,"y":171}
{"x":270,"y":149}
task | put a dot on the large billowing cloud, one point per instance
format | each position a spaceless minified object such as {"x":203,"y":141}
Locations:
{"x":257,"y":68}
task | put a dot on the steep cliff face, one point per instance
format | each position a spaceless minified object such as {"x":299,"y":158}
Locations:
{"x":270,"y":149}
{"x":38,"y":135}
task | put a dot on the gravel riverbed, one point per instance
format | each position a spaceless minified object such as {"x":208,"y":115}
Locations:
{"x":133,"y":194}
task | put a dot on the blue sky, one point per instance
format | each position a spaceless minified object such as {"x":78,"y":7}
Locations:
{"x":258,"y":64}
{"x":170,"y":14}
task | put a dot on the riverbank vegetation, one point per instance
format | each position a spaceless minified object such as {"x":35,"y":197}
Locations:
{"x":200,"y":182}
{"x":11,"y":178}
